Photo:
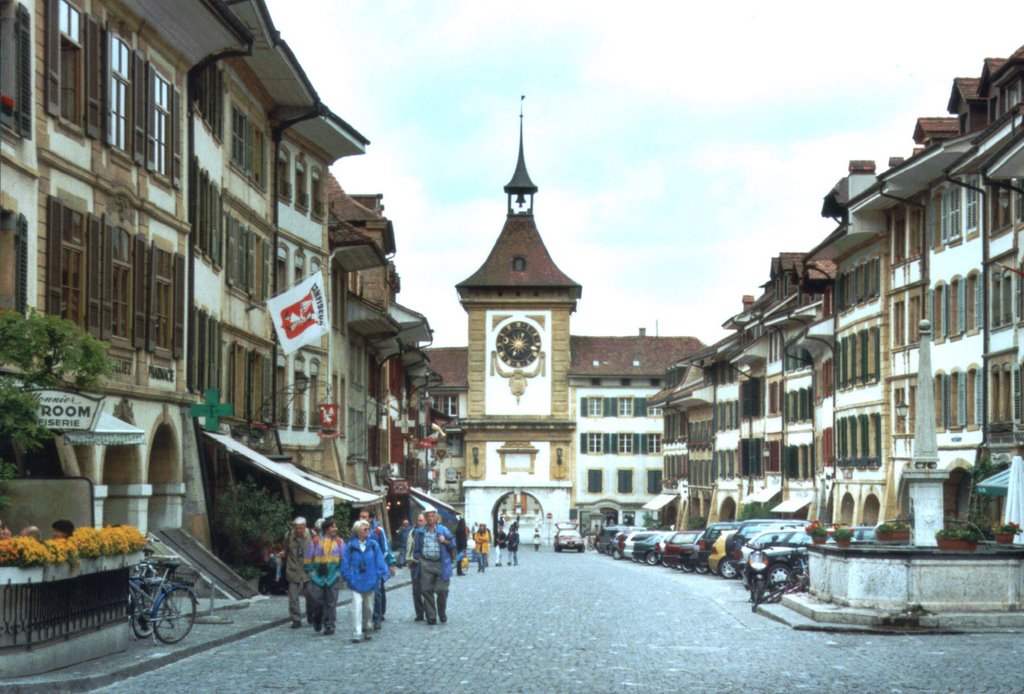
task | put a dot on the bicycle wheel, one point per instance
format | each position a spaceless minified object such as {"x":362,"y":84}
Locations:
{"x":138,"y":617}
{"x":175,"y":614}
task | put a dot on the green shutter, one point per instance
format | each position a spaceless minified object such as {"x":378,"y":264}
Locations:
{"x":640,"y":407}
{"x":606,"y":441}
{"x":609,"y":407}
{"x":638,"y":446}
{"x":615,"y":443}
{"x":583,"y":443}
{"x":864,"y":356}
{"x":583,"y":407}
{"x":229,"y":249}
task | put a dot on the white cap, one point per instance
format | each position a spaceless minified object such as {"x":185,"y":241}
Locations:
{"x":319,"y":522}
{"x":299,"y":520}
{"x":429,"y":509}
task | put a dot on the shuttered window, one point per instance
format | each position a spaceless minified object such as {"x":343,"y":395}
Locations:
{"x":625,"y":481}
{"x":961,"y":399}
{"x":654,"y":481}
{"x":121,"y":282}
{"x":16,"y":72}
{"x":595,"y":481}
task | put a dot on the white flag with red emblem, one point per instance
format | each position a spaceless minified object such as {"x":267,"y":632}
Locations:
{"x":300,"y":314}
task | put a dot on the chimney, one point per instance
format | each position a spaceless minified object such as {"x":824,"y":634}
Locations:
{"x":748,"y":301}
{"x":643,"y":332}
{"x":895,"y":161}
{"x":862,"y":175}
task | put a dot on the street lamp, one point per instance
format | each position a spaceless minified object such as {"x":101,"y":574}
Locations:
{"x":902,"y":410}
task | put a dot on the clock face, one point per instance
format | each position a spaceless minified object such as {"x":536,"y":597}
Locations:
{"x":518,"y":344}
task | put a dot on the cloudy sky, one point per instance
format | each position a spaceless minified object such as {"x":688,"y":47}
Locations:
{"x":677,"y":146}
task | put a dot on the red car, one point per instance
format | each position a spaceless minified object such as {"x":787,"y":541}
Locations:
{"x":677,"y":550}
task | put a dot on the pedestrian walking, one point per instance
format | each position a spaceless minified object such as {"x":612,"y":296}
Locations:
{"x":461,"y":544}
{"x":536,"y":539}
{"x":323,"y":562}
{"x":401,"y":540}
{"x":415,"y":573}
{"x":364,"y":569}
{"x":296,"y":542}
{"x":433,"y":549}
{"x":482,"y":539}
{"x":513,"y":545}
{"x":500,"y":542}
{"x":377,"y":534}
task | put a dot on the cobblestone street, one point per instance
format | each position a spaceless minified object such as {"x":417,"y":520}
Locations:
{"x":564,"y":622}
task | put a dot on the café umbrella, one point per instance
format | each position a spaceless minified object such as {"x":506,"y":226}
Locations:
{"x":1013,"y":511}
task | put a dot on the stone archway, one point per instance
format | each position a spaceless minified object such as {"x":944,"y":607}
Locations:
{"x":512,"y":507}
{"x":121,"y":472}
{"x":727,"y":511}
{"x":872,"y":507}
{"x":165,"y":480}
{"x":956,"y":491}
{"x":482,"y":502}
{"x":846,"y":509}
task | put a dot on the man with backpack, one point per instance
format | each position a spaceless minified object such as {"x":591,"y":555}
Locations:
{"x":377,"y":534}
{"x":296,"y":543}
{"x":500,"y":542}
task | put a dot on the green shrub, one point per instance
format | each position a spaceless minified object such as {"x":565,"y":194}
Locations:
{"x":249,"y":519}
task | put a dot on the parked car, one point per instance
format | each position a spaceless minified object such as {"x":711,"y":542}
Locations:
{"x":678,"y":548}
{"x":699,"y":560}
{"x":863,"y":533}
{"x":718,"y":554}
{"x":569,"y":539}
{"x":771,"y":540}
{"x":748,"y":529}
{"x":648,"y":549}
{"x":627,"y":548}
{"x":606,"y":538}
{"x":620,"y":549}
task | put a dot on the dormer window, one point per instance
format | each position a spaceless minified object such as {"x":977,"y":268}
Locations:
{"x":519,"y":264}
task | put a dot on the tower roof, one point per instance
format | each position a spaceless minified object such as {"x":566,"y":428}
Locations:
{"x":521,"y":183}
{"x":519,"y":258}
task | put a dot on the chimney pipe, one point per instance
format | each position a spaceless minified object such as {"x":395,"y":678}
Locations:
{"x":643,"y":332}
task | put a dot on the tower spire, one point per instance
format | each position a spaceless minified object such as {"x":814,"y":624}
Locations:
{"x":520,"y":185}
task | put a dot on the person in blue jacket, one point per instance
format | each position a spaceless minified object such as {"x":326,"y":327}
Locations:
{"x":363,"y":568}
{"x":433,"y":548}
{"x":377,"y":534}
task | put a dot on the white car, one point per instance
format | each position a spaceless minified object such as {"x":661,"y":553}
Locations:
{"x":627,"y":548}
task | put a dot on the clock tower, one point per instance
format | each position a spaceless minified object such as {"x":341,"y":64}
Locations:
{"x":519,"y":431}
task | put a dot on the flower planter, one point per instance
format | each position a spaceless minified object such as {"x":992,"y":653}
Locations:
{"x":819,"y":540}
{"x":17,"y":574}
{"x":1005,"y":538}
{"x":899,"y":536}
{"x":843,"y":543}
{"x":956,"y":545}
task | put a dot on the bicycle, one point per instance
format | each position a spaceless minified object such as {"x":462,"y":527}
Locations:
{"x":157,"y":606}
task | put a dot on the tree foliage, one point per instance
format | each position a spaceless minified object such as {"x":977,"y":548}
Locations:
{"x":38,"y":351}
{"x":249,"y":518}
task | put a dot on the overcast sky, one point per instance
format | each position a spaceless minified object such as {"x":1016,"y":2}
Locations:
{"x":676,"y":147}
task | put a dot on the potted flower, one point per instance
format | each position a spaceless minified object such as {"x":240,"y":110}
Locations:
{"x":959,"y":538}
{"x":1005,"y":533}
{"x":842,"y":536}
{"x":818,"y":532}
{"x":893,"y":531}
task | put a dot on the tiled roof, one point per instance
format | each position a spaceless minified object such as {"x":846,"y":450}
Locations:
{"x":820,"y":269}
{"x":929,"y":129}
{"x":520,"y":238}
{"x":968,"y":86}
{"x":451,"y":364}
{"x":628,"y":356}
{"x":344,"y":206}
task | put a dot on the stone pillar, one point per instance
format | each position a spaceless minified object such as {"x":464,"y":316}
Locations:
{"x":924,"y":480}
{"x":99,"y":496}
{"x":128,"y":504}
{"x":165,"y":506}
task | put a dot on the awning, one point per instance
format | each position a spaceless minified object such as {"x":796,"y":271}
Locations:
{"x":109,"y":431}
{"x":447,"y":511}
{"x":760,"y":496}
{"x":996,"y":485}
{"x":317,"y":485}
{"x":793,"y":504}
{"x":661,"y":501}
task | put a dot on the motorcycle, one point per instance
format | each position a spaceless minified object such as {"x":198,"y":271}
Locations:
{"x":770,"y":572}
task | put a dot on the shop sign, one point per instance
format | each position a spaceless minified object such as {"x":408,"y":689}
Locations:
{"x":328,"y":413}
{"x":64,"y":411}
{"x":399,"y":487}
{"x":427,"y":443}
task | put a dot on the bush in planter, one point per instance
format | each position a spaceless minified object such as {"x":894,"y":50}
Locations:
{"x":842,"y":534}
{"x":24,"y":552}
{"x":1006,"y":529}
{"x":892,"y":528}
{"x":960,"y":532}
{"x":696,"y":522}
{"x":816,"y":530}
{"x":248,"y":519}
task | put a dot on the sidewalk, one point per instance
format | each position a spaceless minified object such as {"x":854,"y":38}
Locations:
{"x":244,"y":618}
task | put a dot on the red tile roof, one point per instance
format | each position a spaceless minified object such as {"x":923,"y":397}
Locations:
{"x":451,"y":363}
{"x":520,"y":238}
{"x":347,"y":207}
{"x":820,"y":269}
{"x":629,"y":356}
{"x":930,"y":129}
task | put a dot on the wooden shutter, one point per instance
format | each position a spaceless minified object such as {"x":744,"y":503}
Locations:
{"x":945,"y":311}
{"x":609,"y":407}
{"x":139,"y":298}
{"x":961,"y":399}
{"x":23,"y":31}
{"x":606,"y":443}
{"x":250,"y":261}
{"x":583,"y":442}
{"x":94,"y":76}
{"x":979,"y":302}
{"x":21,"y":259}
{"x":211,"y":356}
{"x":150,"y":105}
{"x":583,"y":407}
{"x":174,"y":140}
{"x":268,"y":260}
{"x":979,"y":395}
{"x":264,"y":395}
{"x":216,"y":217}
{"x":229,"y":245}
{"x":54,"y":236}
{"x":154,"y":259}
{"x":52,"y":96}
{"x":640,"y":407}
{"x":179,"y":306}
{"x":107,"y":281}
{"x":248,"y":138}
{"x":945,"y":400}
{"x":140,"y":115}
{"x":1016,"y":393}
{"x":961,"y":306}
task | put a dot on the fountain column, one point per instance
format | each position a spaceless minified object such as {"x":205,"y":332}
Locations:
{"x":923,"y":478}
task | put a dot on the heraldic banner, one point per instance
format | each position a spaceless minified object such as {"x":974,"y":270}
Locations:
{"x":300,"y":313}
